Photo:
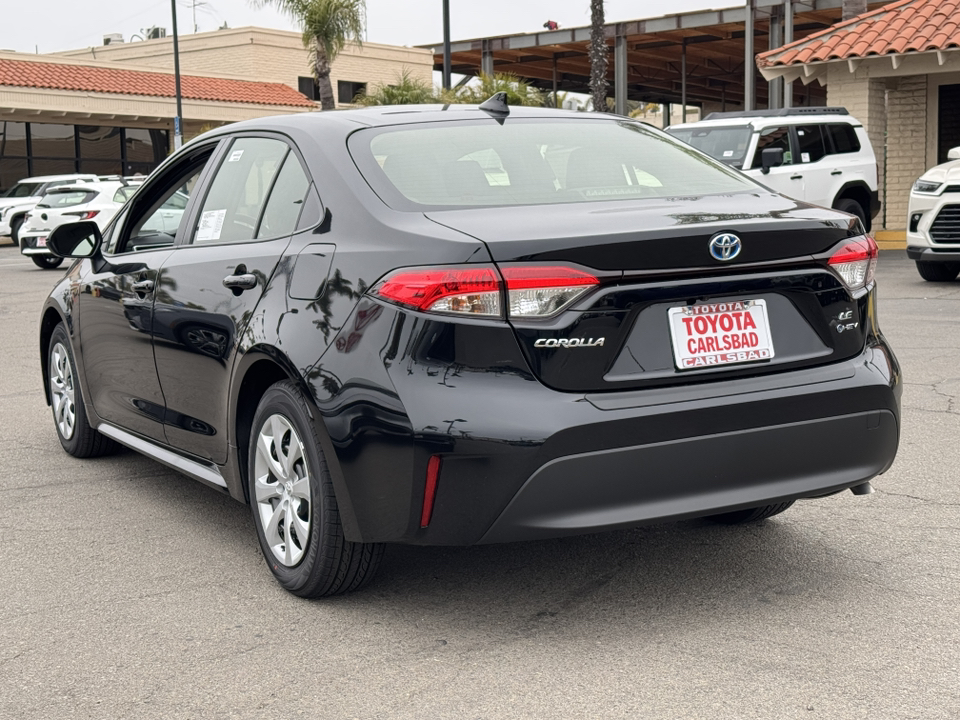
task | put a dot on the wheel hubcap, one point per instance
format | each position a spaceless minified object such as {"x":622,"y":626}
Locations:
{"x":62,"y":392}
{"x":282,"y":489}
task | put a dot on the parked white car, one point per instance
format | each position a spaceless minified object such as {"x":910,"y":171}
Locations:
{"x":933,"y":221}
{"x":820,"y":155}
{"x":22,"y":197}
{"x":98,"y":202}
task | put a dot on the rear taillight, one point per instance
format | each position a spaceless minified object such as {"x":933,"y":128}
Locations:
{"x":84,"y":215}
{"x":855,"y":262}
{"x":537,"y":291}
{"x":533,"y":291}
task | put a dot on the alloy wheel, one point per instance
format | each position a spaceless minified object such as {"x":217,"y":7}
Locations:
{"x":282,"y":488}
{"x":62,"y":391}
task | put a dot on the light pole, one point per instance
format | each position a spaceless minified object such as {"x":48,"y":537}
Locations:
{"x":178,"y":120}
{"x":446,"y":44}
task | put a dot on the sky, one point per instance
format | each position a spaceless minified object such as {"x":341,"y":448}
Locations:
{"x":51,"y":25}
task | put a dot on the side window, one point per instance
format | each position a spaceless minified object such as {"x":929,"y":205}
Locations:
{"x":775,"y":137}
{"x":810,"y":143}
{"x":231,"y":211}
{"x":286,"y":200}
{"x":844,"y":138}
{"x":150,"y":221}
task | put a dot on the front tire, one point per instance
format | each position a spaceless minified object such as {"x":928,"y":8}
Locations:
{"x":46,"y":262}
{"x":750,"y":515}
{"x":15,"y":231}
{"x":294,"y":506}
{"x":76,"y":434}
{"x":938,"y":271}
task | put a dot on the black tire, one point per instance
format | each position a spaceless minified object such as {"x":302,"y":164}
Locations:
{"x":83,"y":441}
{"x":329,"y":564}
{"x":849,"y":205}
{"x":750,"y":515}
{"x":15,"y":230}
{"x":46,"y":262}
{"x":938,"y":271}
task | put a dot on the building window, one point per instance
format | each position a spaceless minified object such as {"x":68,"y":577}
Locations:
{"x":308,"y":86}
{"x":347,"y":91}
{"x":13,"y":154}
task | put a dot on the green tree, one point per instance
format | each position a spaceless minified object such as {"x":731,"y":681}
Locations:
{"x":406,"y":90}
{"x":518,"y":92}
{"x":598,"y":57}
{"x":327,"y":25}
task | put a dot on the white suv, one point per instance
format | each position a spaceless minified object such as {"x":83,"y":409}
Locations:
{"x":820,"y":155}
{"x":933,"y":221}
{"x":22,"y":197}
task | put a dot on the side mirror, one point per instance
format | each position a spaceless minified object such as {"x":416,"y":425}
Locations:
{"x":770,"y":158}
{"x":75,"y":240}
{"x":953,"y":153}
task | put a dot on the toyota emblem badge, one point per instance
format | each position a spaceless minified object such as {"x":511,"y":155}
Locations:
{"x":725,"y":246}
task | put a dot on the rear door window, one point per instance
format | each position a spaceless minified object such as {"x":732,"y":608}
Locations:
{"x":238,"y":192}
{"x":810,"y":143}
{"x":286,"y":200}
{"x":844,"y":138}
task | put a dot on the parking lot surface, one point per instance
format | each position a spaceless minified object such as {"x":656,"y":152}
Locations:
{"x":130,"y":591}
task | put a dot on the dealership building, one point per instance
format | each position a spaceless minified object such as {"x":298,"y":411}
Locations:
{"x":109,"y":109}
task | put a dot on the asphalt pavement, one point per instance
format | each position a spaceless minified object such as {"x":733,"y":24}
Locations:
{"x":129,"y":591}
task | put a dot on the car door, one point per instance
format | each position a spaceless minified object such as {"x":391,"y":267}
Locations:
{"x":214,"y":281}
{"x":787,"y":179}
{"x":116,"y":305}
{"x":813,"y":162}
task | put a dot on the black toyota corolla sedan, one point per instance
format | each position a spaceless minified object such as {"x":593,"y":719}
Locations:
{"x":448,"y":326}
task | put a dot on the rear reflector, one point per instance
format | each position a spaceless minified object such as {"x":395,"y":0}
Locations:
{"x":855,"y":262}
{"x":430,"y":489}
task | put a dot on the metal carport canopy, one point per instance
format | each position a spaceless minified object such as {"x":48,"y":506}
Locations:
{"x":650,"y":54}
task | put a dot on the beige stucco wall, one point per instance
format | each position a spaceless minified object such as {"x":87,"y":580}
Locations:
{"x":907,"y":142}
{"x":265,"y":55}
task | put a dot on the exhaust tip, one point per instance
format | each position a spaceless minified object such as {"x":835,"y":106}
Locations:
{"x":862,"y":489}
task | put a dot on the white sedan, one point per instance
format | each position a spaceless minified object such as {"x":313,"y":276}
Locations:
{"x":933,"y":221}
{"x":98,"y":202}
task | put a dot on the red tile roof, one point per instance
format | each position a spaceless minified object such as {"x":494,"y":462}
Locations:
{"x":88,"y":78}
{"x":900,"y":27}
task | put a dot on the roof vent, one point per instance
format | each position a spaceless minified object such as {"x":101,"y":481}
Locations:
{"x":112,"y":39}
{"x":155,"y":33}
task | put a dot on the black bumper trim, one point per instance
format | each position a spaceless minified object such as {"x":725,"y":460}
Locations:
{"x":698,"y":476}
{"x":933,"y":255}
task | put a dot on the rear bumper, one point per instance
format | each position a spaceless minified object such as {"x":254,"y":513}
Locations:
{"x":927,"y":254}
{"x":697,"y":476}
{"x":28,"y":246}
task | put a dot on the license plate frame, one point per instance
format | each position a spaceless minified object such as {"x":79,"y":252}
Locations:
{"x":732,"y":332}
{"x":41,"y":241}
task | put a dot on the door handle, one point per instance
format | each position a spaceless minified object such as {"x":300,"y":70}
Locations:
{"x":796,"y":177}
{"x":837,"y":172}
{"x":143,"y":287}
{"x":246,"y":281}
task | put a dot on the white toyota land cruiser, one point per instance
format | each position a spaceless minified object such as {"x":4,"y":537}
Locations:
{"x":933,"y":221}
{"x":820,"y":155}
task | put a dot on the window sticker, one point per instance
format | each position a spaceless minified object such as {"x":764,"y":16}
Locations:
{"x":728,"y":153}
{"x":804,"y":157}
{"x":211,"y":224}
{"x":235,"y":155}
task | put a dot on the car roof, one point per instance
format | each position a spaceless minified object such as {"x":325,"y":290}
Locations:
{"x":741,"y":120}
{"x":51,"y":178}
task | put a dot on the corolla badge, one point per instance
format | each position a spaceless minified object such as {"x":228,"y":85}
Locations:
{"x":725,"y":246}
{"x":568,"y":342}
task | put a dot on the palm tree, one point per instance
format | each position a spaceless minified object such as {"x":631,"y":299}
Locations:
{"x":405,"y":90}
{"x":598,"y":57}
{"x":519,"y":92}
{"x":328,"y":25}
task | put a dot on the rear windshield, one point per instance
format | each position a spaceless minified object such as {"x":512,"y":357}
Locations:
{"x":22,"y":190}
{"x":726,"y":144}
{"x":528,"y":161}
{"x":66,"y":199}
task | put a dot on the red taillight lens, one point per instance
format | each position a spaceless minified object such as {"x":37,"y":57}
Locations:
{"x":538,"y":291}
{"x":85,"y":215}
{"x":856,"y":262}
{"x":430,"y":490}
{"x":533,"y":290}
{"x":461,"y":290}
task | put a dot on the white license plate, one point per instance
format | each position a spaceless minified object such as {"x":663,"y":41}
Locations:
{"x":41,"y":242}
{"x":723,"y":333}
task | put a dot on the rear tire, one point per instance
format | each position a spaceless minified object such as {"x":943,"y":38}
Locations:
{"x":750,"y":515}
{"x":938,"y":271}
{"x":76,"y":434}
{"x":46,"y":262}
{"x":15,"y":231}
{"x":294,"y":506}
{"x":849,"y":205}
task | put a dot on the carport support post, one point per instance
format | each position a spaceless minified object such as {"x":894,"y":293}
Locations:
{"x":556,"y":101}
{"x":620,"y":73}
{"x":486,"y":59}
{"x":446,"y":44}
{"x":178,"y":120}
{"x":749,"y":60}
{"x":775,"y":86}
{"x":787,"y":39}
{"x":666,"y":114}
{"x":683,"y":81}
